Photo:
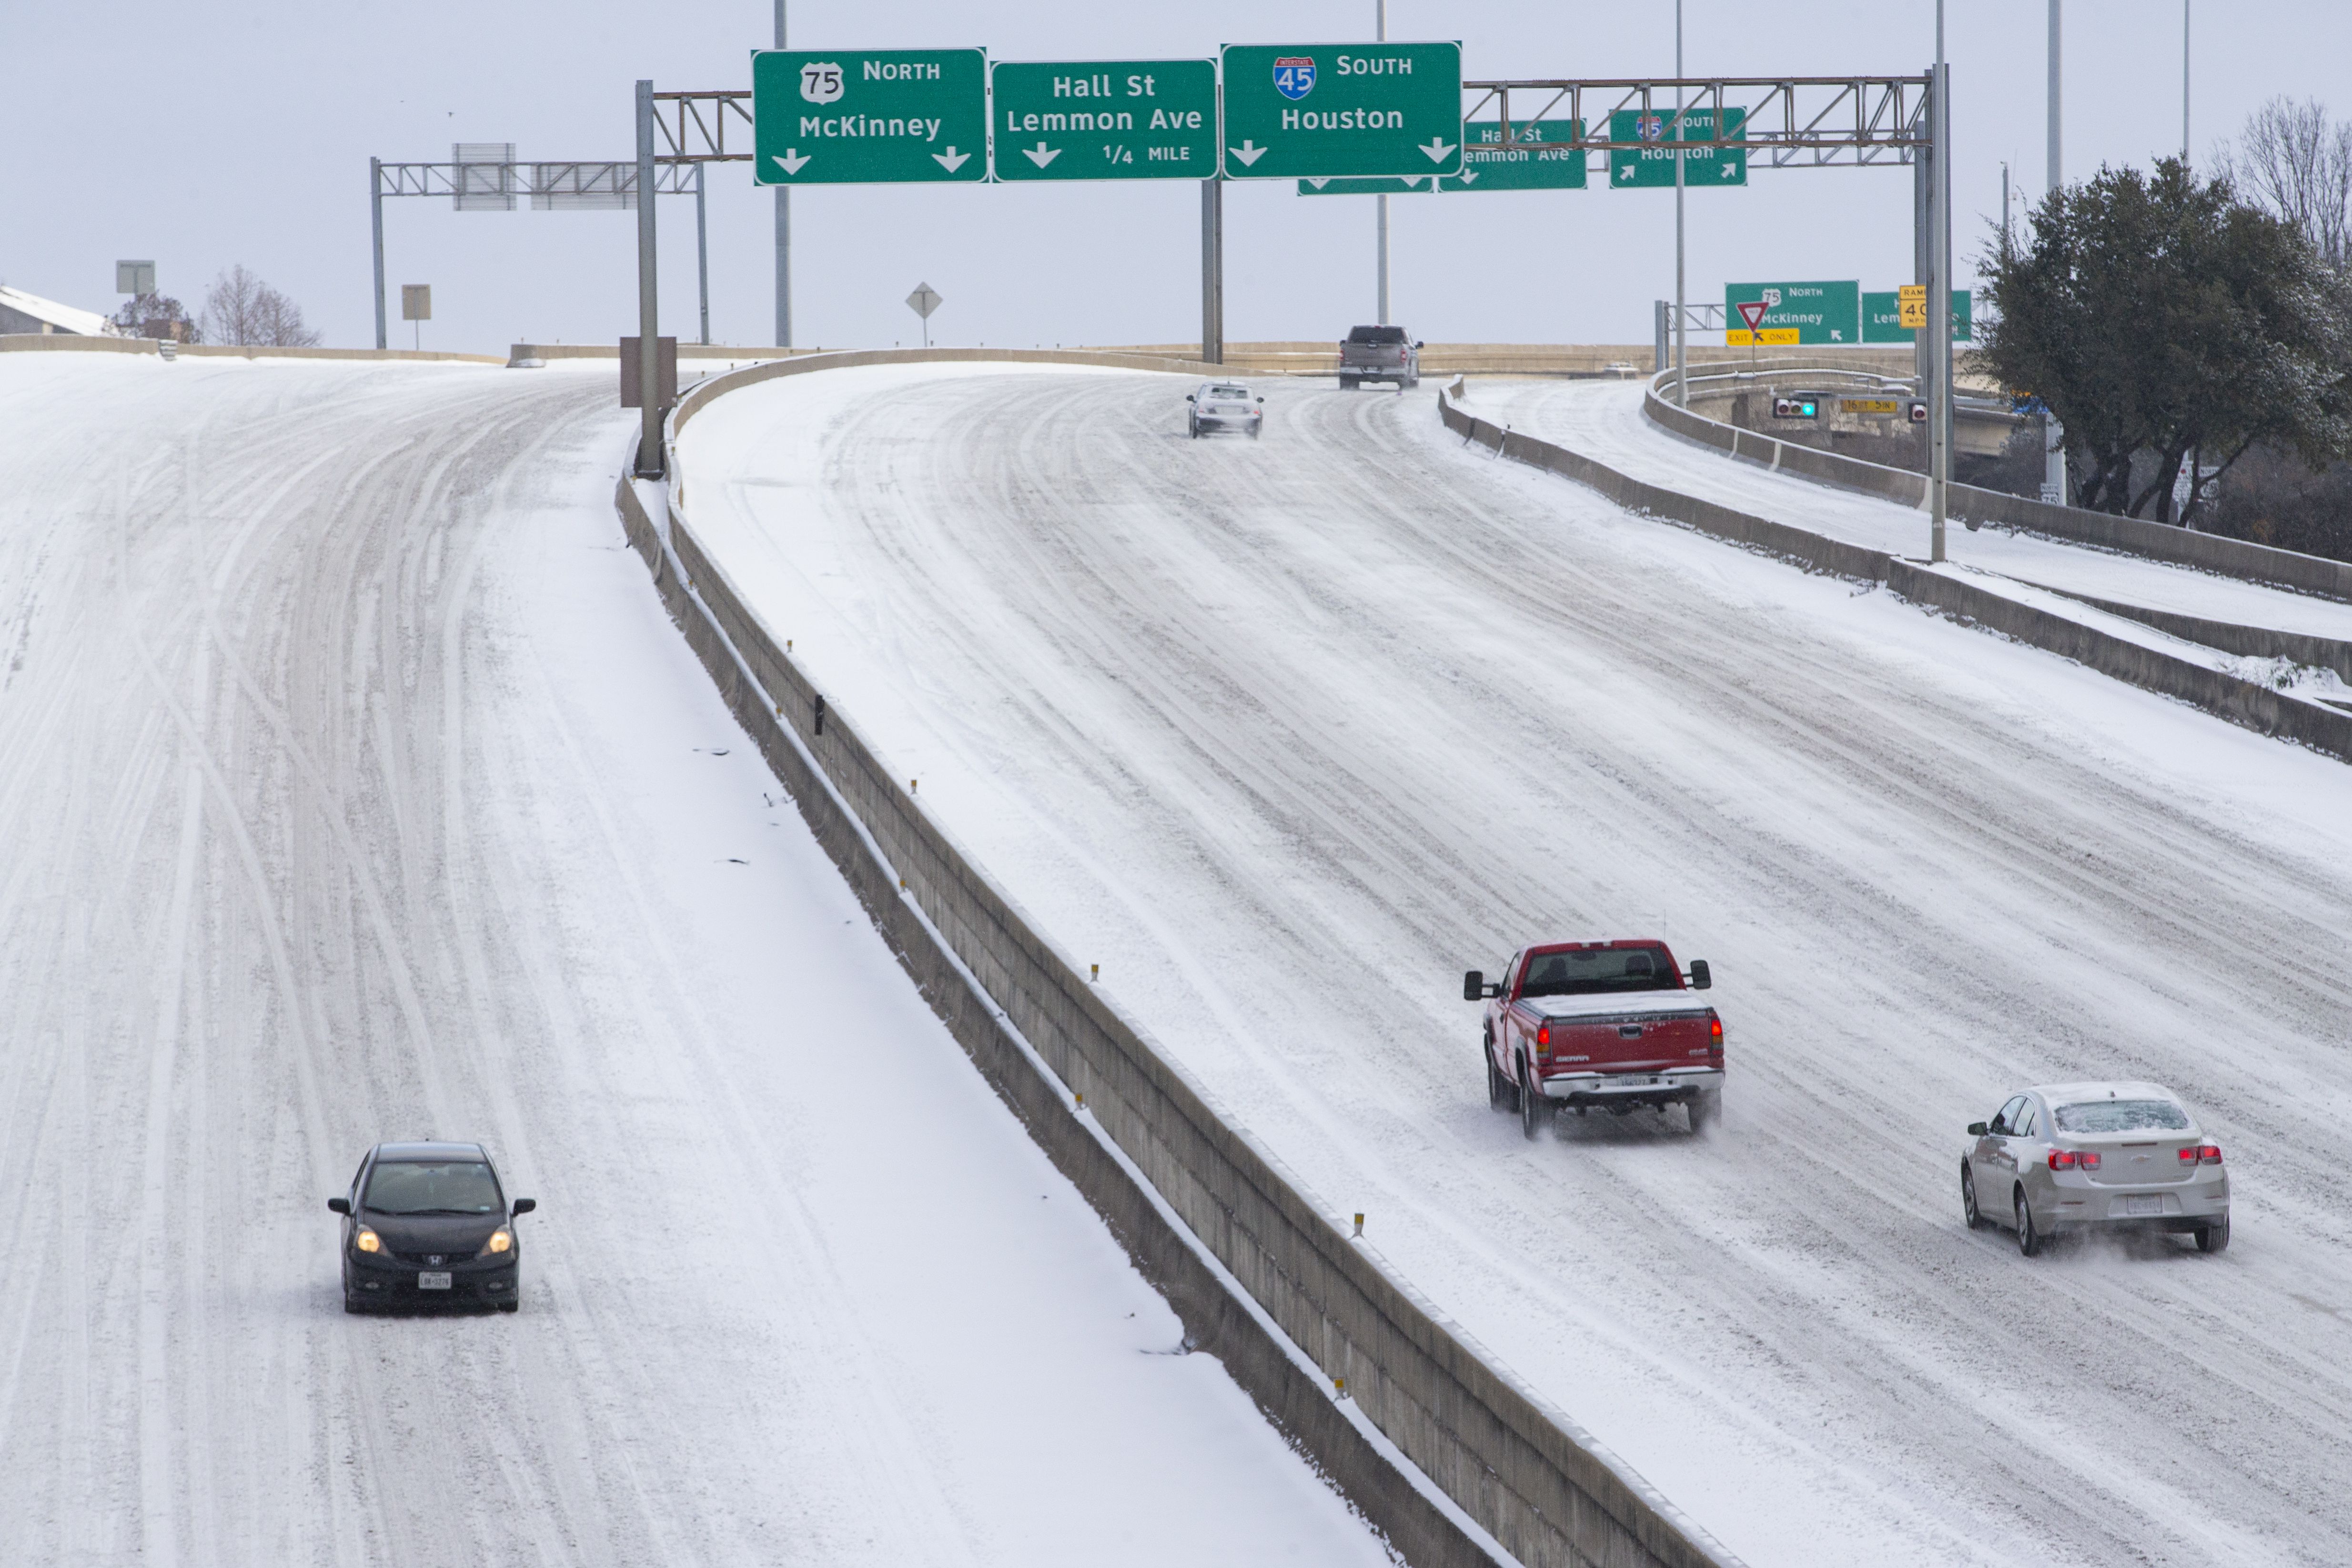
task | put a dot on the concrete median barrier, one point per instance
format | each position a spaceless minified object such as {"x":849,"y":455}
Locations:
{"x":2242,"y":702}
{"x":1397,"y":1406}
{"x":2238,"y":558}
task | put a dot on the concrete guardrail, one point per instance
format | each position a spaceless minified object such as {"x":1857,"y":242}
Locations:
{"x":2245,"y":702}
{"x":2238,"y":558}
{"x":1346,"y":1359}
{"x":71,"y":342}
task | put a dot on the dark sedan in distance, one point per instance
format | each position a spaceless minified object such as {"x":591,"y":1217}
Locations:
{"x":428,"y":1225}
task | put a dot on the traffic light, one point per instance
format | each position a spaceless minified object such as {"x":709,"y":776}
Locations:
{"x":1796,"y":409}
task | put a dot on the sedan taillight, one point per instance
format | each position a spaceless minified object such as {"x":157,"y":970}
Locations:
{"x":2073,"y":1159}
{"x":2201,"y":1154}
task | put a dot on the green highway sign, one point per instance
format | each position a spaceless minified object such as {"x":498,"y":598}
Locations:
{"x":1881,"y":320}
{"x":850,"y":117}
{"x":1105,"y":119}
{"x":1649,"y":168}
{"x":1310,"y":110}
{"x":1794,"y":313}
{"x":1488,"y":165}
{"x":1370,"y":185}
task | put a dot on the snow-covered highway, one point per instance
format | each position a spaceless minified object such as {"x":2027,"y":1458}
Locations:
{"x":353,"y":786}
{"x":1286,"y":734}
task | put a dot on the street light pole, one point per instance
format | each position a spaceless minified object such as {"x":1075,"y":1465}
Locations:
{"x":375,"y":200}
{"x":2184,"y":80}
{"x":1682,"y":310}
{"x":1939,"y":298}
{"x":2053,"y":454}
{"x":649,"y":442}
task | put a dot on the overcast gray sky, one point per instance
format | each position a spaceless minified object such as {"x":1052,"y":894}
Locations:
{"x":205,"y":134}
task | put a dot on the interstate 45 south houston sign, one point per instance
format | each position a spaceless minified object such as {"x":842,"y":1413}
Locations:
{"x":1316,"y":111}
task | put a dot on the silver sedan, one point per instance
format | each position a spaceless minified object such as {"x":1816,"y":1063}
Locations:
{"x":2094,"y":1157}
{"x":1224,"y":405}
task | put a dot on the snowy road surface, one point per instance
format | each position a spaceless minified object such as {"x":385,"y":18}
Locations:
{"x":1286,"y":734}
{"x":1603,"y":421}
{"x":353,"y":785}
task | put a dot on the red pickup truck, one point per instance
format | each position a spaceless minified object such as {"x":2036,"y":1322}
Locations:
{"x":1609,"y":1024}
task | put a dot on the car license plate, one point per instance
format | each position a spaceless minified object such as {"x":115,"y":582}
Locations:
{"x":1630,"y":1082}
{"x":433,"y":1281}
{"x":2152,"y":1203}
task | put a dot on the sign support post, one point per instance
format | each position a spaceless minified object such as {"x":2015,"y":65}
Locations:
{"x":1381,"y":34}
{"x":1212,"y":271}
{"x":375,"y":200}
{"x":1939,"y":301}
{"x":783,"y":238}
{"x":1682,"y":338}
{"x":649,"y":450}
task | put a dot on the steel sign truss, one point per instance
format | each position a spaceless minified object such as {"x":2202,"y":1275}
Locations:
{"x":691,"y":127}
{"x":602,"y":183}
{"x":1792,"y":122}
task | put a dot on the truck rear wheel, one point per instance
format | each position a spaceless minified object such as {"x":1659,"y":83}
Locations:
{"x":1350,"y":382}
{"x":1699,"y":1110}
{"x":1535,"y":1111}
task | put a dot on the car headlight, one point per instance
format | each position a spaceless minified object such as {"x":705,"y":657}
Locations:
{"x":502,"y":1241}
{"x":366,"y":1240}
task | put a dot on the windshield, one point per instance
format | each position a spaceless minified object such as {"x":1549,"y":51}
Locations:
{"x":412,"y":1188}
{"x":2123,"y":1116}
{"x":1590,"y":969}
{"x":1376,"y":335}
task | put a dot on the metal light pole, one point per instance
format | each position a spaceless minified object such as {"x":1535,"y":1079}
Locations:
{"x":375,"y":200}
{"x":783,"y":238}
{"x":2053,"y":456}
{"x":1380,"y":202}
{"x":1939,"y":298}
{"x":649,"y":441}
{"x":2184,"y":80}
{"x":1682,"y":310}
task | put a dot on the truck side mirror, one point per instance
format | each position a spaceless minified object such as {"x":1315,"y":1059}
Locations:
{"x":1417,"y":343}
{"x":1700,"y":977}
{"x":1474,"y":987}
{"x":524,"y":1206}
{"x":1976,"y":1129}
{"x":339,"y":1206}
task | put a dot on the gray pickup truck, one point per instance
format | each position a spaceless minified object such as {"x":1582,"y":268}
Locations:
{"x":1378,"y":353}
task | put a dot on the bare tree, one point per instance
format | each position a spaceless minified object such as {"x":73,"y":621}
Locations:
{"x":2296,"y":163}
{"x":241,"y":309}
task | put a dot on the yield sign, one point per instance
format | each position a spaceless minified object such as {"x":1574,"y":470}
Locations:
{"x":1752,"y":312}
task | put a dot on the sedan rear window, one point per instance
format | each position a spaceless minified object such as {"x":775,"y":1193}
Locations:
{"x":1229,"y":392}
{"x":1589,"y":969}
{"x":2122,"y":1116}
{"x":414,"y":1187}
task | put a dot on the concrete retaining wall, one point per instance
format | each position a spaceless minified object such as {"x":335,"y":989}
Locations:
{"x":2245,"y":702}
{"x":2126,"y":535}
{"x":1515,"y":1465}
{"x":40,"y":341}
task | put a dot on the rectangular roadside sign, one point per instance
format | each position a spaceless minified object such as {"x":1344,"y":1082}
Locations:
{"x":1104,"y":120}
{"x":1882,"y":317}
{"x":858,"y":117}
{"x":1794,"y":313}
{"x":1316,"y":111}
{"x":1489,"y":164}
{"x":1372,"y":186}
{"x":1650,"y":167}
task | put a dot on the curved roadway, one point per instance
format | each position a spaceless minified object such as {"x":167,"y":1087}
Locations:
{"x":1286,"y":734}
{"x":353,"y":785}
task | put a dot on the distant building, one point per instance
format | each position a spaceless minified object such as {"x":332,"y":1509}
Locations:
{"x":23,"y":312}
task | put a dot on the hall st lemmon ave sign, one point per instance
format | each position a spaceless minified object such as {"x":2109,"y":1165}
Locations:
{"x":1105,"y":119}
{"x":1320,"y":110}
{"x":827,"y":117}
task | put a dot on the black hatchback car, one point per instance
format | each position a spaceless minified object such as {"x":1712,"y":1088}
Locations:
{"x":428,"y":1225}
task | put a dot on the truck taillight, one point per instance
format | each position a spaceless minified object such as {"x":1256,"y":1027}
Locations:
{"x":1714,"y":1029}
{"x":1543,"y":1035}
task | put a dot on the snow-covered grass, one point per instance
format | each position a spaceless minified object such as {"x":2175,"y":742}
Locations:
{"x":1286,"y":734}
{"x":353,"y":785}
